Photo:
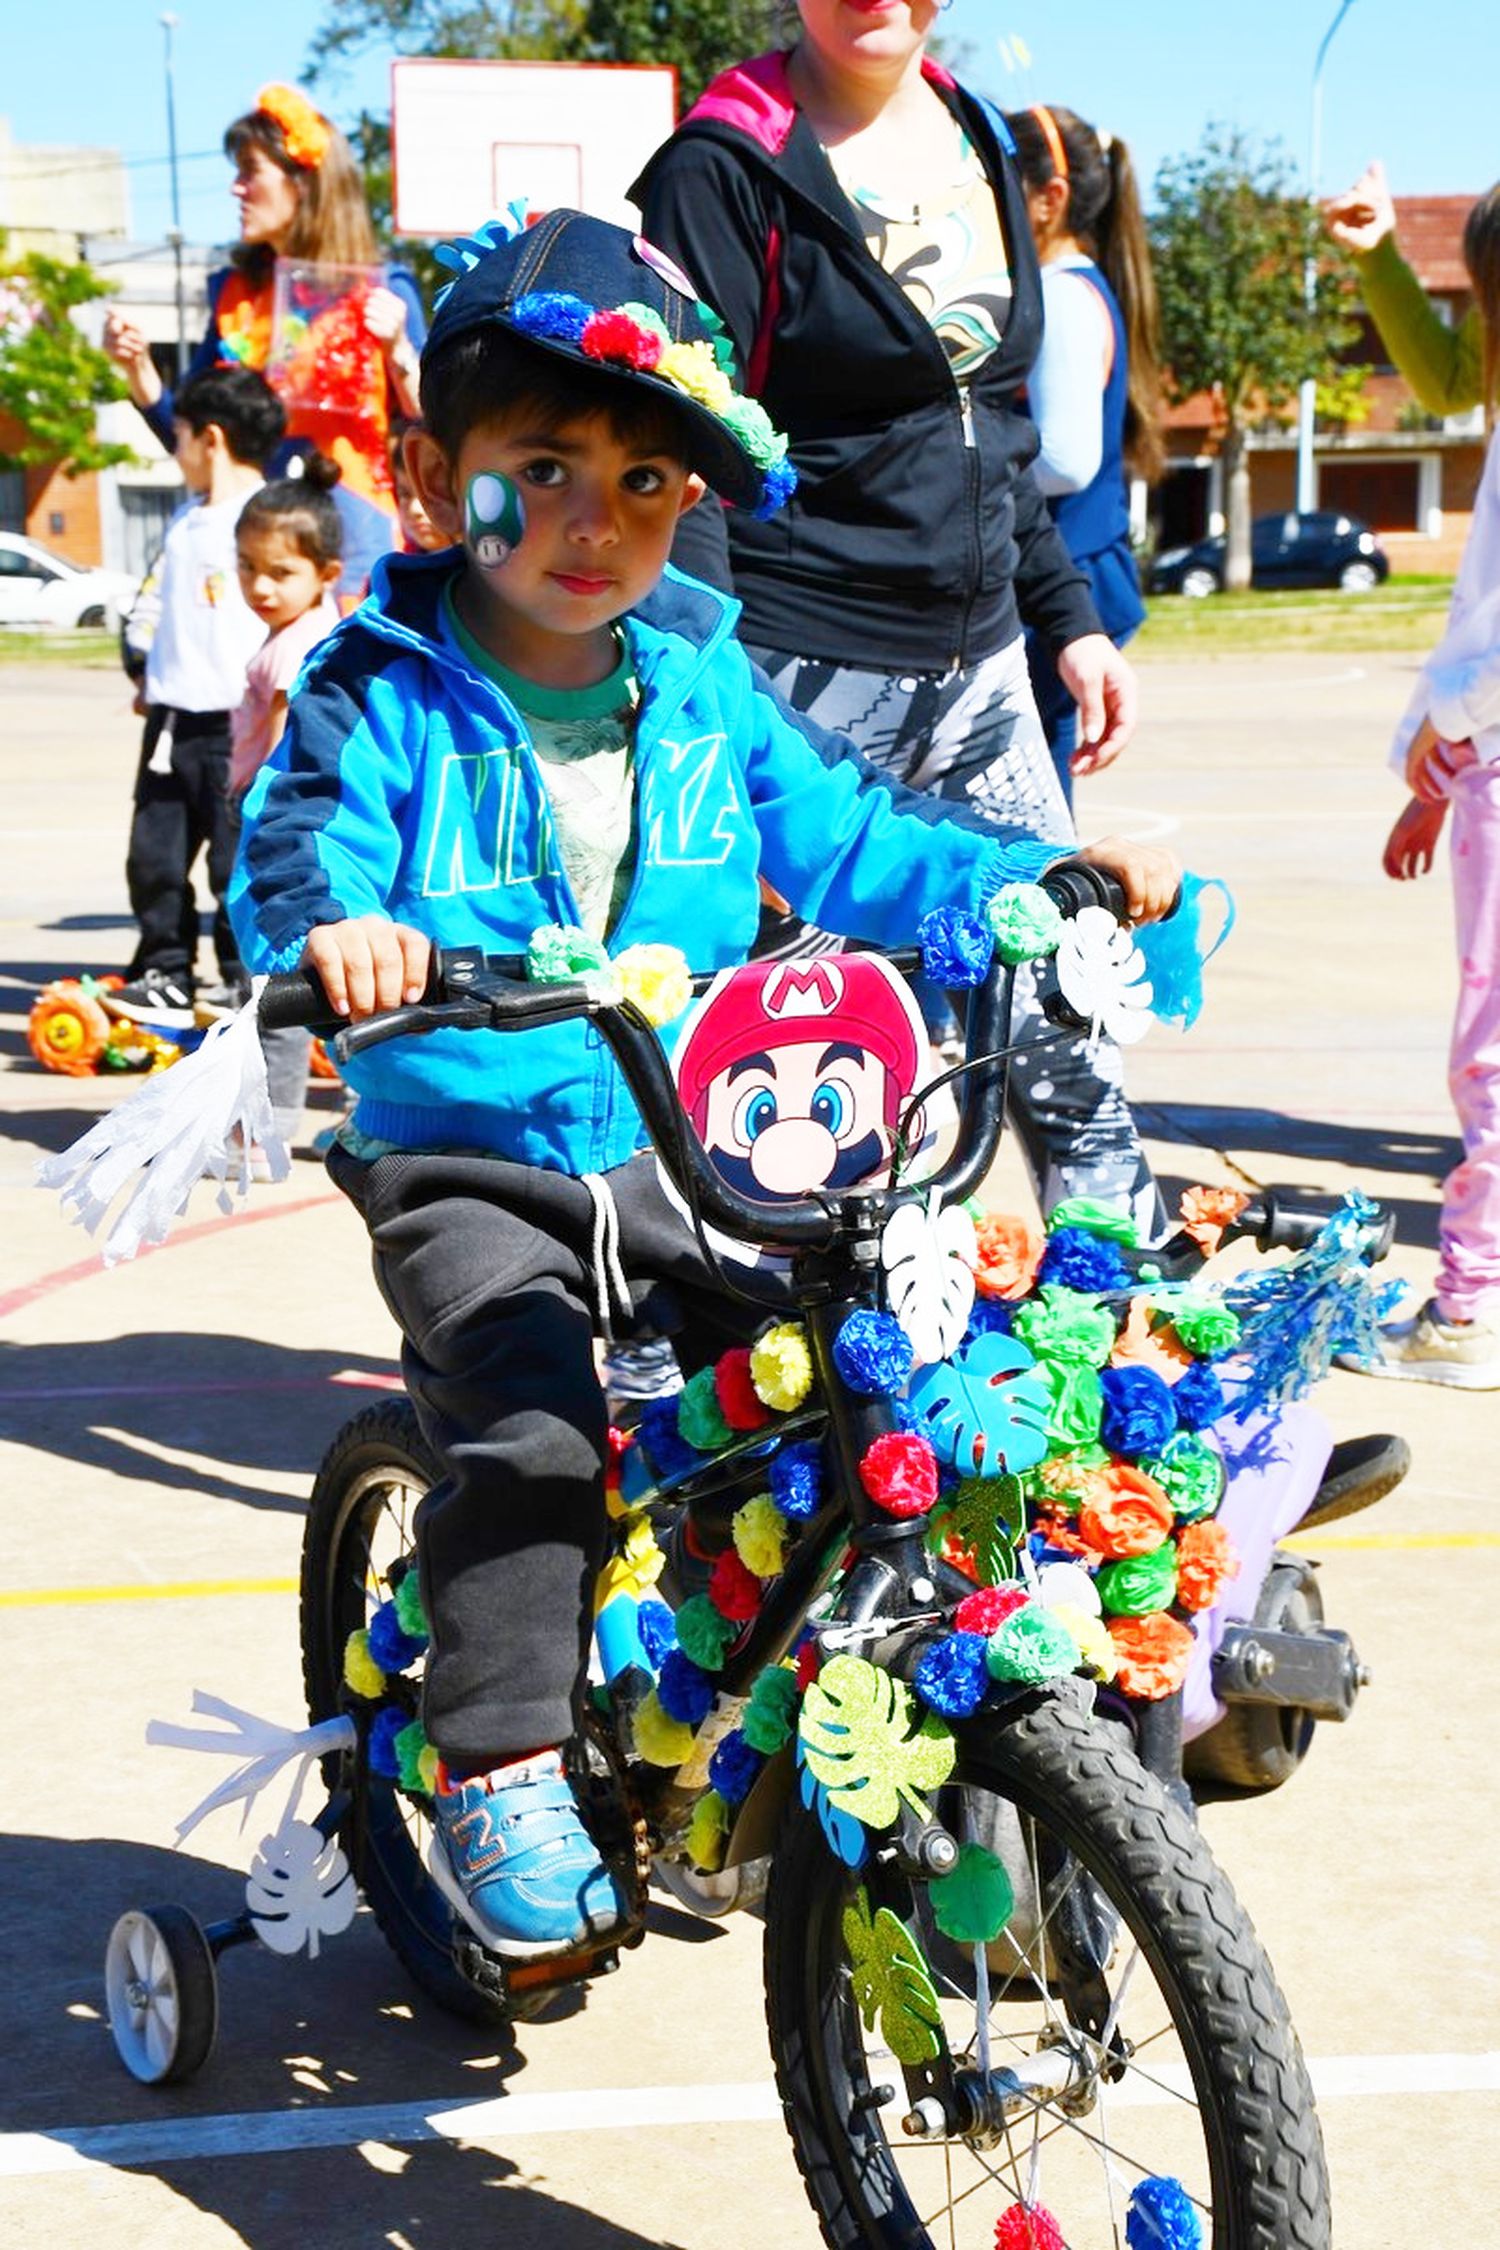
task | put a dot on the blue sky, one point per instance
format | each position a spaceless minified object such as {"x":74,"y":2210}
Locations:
{"x":1395,"y":83}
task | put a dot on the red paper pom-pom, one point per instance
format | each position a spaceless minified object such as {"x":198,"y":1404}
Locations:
{"x":1028,"y":2226}
{"x":899,"y":1472}
{"x":735,"y":1392}
{"x":809,"y":1658}
{"x":614,"y":335}
{"x":734,"y":1590}
{"x":982,"y":1612}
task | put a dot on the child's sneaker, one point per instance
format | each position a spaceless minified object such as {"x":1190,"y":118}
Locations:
{"x":156,"y":996}
{"x":1428,"y":1349}
{"x":511,"y":1855}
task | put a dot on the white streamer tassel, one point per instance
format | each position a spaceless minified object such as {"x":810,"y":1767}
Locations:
{"x":263,"y":1747}
{"x":200,"y":1118}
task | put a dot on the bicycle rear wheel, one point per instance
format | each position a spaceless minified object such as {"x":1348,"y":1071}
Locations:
{"x":1133,"y":2026}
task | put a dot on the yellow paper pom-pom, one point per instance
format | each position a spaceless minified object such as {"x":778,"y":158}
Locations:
{"x":659,"y":1739}
{"x":761,"y":1533}
{"x":656,"y":979}
{"x":707,"y":1832}
{"x":693,"y":368}
{"x":781,"y":1369}
{"x":427,"y":1767}
{"x":362,"y":1675}
{"x":636,"y":1565}
{"x":1095,"y":1647}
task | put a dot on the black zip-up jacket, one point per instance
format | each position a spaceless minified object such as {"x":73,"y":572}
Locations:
{"x":918,"y":538}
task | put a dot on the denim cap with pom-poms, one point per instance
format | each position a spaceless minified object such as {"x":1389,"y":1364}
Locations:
{"x":607,"y":300}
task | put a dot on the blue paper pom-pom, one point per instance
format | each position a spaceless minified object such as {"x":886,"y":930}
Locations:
{"x":685,"y":1691}
{"x":991,"y":1316}
{"x":873,"y":1354}
{"x":658,"y":1630}
{"x":777,"y":487}
{"x":1140,"y":1410}
{"x":733,"y":1767}
{"x":1087,"y":1262}
{"x":951,"y":1676}
{"x":1160,"y":2216}
{"x":555,"y":313}
{"x":384,"y":1728}
{"x":1198,"y":1396}
{"x":795,"y":1479}
{"x":957,"y":947}
{"x":390,"y":1648}
{"x":660,"y":1440}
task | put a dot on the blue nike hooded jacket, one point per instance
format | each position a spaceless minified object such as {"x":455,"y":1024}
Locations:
{"x":406,"y":785}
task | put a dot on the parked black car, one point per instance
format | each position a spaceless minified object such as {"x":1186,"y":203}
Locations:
{"x":1320,"y":549}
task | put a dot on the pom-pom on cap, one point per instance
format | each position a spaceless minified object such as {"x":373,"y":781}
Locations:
{"x":585,"y":291}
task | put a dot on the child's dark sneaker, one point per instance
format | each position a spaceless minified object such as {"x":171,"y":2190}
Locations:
{"x":156,"y":996}
{"x":511,"y":1855}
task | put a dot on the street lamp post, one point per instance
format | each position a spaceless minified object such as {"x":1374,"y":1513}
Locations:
{"x":169,"y":24}
{"x":1307,"y":396}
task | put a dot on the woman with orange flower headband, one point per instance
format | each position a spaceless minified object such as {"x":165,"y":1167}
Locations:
{"x":301,"y":198}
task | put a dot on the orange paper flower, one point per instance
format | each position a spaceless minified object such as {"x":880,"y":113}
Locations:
{"x":1153,"y":1652}
{"x":1009,"y":1253}
{"x":1124,"y":1512}
{"x":1207,"y":1211}
{"x":1061,"y":1532}
{"x":304,"y":131}
{"x":1206,"y":1561}
{"x":1141,"y":1345}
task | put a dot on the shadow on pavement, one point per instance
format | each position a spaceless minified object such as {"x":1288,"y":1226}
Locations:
{"x":49,"y":1130}
{"x":1359,"y":1148}
{"x":125,"y":1406}
{"x":343,"y":2031}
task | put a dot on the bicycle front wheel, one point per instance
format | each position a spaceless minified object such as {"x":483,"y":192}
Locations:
{"x":1125,"y":2027}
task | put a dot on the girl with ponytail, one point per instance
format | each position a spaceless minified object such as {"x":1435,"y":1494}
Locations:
{"x":1095,"y":389}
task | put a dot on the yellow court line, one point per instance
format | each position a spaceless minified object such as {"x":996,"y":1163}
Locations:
{"x":1394,"y":1539}
{"x":187,"y":1589}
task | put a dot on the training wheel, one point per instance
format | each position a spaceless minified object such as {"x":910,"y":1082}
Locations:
{"x":162,"y":1993}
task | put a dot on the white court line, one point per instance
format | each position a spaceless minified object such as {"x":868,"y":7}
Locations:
{"x":94,"y":2148}
{"x":1138,"y":823}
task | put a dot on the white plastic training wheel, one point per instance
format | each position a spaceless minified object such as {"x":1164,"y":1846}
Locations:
{"x":162,"y":1993}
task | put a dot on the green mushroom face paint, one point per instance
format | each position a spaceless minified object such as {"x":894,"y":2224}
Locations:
{"x":494,"y":519}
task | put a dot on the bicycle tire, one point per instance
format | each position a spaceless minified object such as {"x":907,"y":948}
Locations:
{"x":380,"y":1451}
{"x":1263,"y":2146}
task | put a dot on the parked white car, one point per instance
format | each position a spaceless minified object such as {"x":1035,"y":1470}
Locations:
{"x":40,"y":588}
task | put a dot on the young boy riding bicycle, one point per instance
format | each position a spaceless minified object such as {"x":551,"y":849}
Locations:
{"x":544,"y":724}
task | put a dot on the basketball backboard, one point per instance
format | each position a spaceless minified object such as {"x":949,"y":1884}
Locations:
{"x":469,"y":138}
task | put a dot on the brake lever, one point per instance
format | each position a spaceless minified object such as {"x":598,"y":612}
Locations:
{"x":397,"y":1023}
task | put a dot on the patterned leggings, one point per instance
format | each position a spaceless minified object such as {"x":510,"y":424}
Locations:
{"x":973,"y":736}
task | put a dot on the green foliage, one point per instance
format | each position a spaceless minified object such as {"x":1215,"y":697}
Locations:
{"x":985,"y":1515}
{"x":1341,"y":397}
{"x":51,"y":376}
{"x":892,"y":1981}
{"x":862,"y":1739}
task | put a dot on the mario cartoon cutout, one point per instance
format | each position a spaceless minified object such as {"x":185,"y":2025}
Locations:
{"x":796,"y":1073}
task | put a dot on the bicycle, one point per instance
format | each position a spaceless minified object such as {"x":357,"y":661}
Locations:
{"x":1076,"y":2030}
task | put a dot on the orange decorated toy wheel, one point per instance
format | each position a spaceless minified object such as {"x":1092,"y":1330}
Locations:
{"x":321,"y":1064}
{"x":67,"y":1029}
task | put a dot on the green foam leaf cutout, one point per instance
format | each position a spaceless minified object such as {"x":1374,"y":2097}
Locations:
{"x":974,"y":1903}
{"x":863,"y":1739}
{"x":892,"y":1981}
{"x":986,"y":1514}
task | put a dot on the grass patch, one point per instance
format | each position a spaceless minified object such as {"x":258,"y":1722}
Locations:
{"x":92,"y":652}
{"x":1405,"y":613}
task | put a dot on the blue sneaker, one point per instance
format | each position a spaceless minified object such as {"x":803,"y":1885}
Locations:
{"x":511,"y":1855}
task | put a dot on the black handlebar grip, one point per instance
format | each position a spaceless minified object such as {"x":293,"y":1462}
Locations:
{"x":1072,"y":885}
{"x":295,"y":1001}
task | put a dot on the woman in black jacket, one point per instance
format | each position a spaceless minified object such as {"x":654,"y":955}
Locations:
{"x":854,"y":217}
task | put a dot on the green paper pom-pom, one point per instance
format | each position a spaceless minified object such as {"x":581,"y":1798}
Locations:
{"x":1062,"y":1481}
{"x":974,"y":1903}
{"x":1106,"y":1220}
{"x":362,"y":1675}
{"x":1205,"y":1325}
{"x":1064,"y":1324}
{"x":645,"y":318}
{"x":1026,"y":922}
{"x":558,"y":951}
{"x":1077,"y":1402}
{"x":417,"y":1760}
{"x":771,"y":1712}
{"x":410,"y":1614}
{"x":700,"y":1418}
{"x":1190,"y":1473}
{"x":1031,"y":1646}
{"x":702,"y":1634}
{"x":1140,"y":1585}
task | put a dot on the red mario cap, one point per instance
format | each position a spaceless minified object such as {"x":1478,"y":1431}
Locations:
{"x":770,"y":1004}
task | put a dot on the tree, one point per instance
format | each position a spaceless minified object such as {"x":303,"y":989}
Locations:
{"x":1231,"y":239}
{"x":51,"y":376}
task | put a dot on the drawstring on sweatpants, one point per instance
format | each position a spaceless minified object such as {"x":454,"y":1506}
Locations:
{"x":611,"y":1288}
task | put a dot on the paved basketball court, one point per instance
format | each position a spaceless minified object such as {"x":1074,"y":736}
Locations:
{"x":160,"y":1423}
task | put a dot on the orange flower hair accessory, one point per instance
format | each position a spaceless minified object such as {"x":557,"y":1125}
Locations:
{"x":1124,"y":1512}
{"x":1206,"y":1561}
{"x":1207,"y":1211}
{"x":1009,"y":1253}
{"x":304,"y":131}
{"x":1154,"y":1653}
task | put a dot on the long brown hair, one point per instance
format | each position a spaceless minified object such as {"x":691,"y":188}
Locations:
{"x":1104,"y":212}
{"x":332,"y":225}
{"x":1482,"y":257}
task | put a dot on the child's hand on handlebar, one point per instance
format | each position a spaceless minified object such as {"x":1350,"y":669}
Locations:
{"x":368,"y":964}
{"x":1149,"y":877}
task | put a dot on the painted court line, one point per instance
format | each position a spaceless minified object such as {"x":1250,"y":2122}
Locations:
{"x":186,"y":1589}
{"x":90,"y":2148}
